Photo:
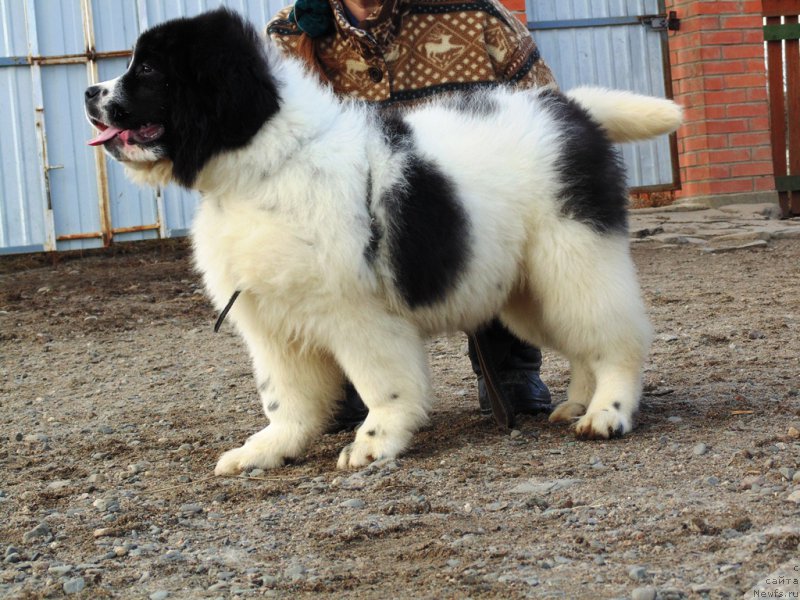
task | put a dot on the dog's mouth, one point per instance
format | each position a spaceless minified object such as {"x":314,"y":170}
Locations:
{"x":147,"y":133}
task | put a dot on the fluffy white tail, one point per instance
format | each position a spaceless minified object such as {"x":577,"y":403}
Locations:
{"x":628,"y":117}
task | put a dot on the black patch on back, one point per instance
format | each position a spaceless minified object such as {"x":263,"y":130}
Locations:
{"x":594,"y":191}
{"x":428,"y":231}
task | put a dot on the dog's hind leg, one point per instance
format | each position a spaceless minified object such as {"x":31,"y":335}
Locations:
{"x":615,"y":401}
{"x":584,"y":302}
{"x":385,"y":358}
{"x":579,"y":393}
{"x":299,"y":388}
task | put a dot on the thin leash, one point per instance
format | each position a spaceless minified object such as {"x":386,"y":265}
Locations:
{"x":225,"y":311}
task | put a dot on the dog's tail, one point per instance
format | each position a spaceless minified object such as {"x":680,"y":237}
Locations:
{"x":628,"y":117}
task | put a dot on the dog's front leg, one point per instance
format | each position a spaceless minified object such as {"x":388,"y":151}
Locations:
{"x":385,"y":358}
{"x":299,"y":388}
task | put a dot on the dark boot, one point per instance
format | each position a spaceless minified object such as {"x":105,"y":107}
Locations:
{"x":517,"y":366}
{"x":351,"y":413}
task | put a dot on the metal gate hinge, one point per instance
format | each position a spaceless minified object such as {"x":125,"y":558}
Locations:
{"x":669,"y":22}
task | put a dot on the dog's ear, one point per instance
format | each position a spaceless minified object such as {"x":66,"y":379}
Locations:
{"x":221,"y":92}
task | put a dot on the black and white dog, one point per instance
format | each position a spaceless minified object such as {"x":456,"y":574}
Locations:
{"x":353,"y":234}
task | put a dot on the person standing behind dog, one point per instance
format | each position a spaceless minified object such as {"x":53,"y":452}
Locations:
{"x":403,"y":52}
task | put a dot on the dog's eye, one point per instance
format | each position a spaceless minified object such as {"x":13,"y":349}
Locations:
{"x":145,"y":69}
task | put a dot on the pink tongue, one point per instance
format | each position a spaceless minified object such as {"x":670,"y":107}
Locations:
{"x":104,"y":136}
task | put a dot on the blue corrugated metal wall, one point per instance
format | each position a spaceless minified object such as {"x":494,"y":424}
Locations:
{"x":581,"y":50}
{"x":58,"y":194}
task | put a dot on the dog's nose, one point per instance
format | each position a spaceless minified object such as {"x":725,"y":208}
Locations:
{"x":93,"y":91}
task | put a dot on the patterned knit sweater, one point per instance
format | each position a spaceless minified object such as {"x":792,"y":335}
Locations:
{"x":414,"y":49}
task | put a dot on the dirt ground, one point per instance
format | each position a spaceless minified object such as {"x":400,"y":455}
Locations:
{"x":116,"y":398}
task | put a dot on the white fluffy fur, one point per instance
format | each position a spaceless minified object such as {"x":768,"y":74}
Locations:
{"x":284,"y":220}
{"x":628,"y":117}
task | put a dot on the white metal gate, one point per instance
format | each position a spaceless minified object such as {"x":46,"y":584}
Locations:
{"x":620,"y":44}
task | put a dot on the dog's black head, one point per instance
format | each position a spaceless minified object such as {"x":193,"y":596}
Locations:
{"x":194,"y":88}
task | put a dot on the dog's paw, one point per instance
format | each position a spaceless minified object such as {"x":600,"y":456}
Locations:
{"x":372,"y":443}
{"x":355,"y":455}
{"x":567,"y":411}
{"x":247,"y":457}
{"x":602,"y":425}
{"x":267,"y":449}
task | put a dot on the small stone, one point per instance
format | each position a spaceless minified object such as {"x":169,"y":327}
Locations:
{"x":294,"y":572}
{"x":496,"y":506}
{"x":515,"y":433}
{"x":42,"y":530}
{"x":712,"y":481}
{"x":637,"y":573}
{"x":793,"y":432}
{"x":537,"y":502}
{"x":60,"y":570}
{"x":385,"y":464}
{"x":105,"y":429}
{"x":120,"y":551}
{"x":751,"y":481}
{"x":12,"y":558}
{"x":353,"y":503}
{"x":671,"y":594}
{"x":11,"y":550}
{"x":59,"y":484}
{"x":256,"y":473}
{"x":700,"y":449}
{"x":159,"y":595}
{"x":787,"y":473}
{"x":18,"y":437}
{"x":675,"y":419}
{"x":96,"y":478}
{"x":794,"y":497}
{"x":173,"y":556}
{"x":191,"y":508}
{"x":103,"y":532}
{"x":106,"y":504}
{"x":644,"y":593}
{"x":74,"y":585}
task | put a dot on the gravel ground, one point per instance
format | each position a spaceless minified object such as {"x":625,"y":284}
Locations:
{"x":116,"y":399}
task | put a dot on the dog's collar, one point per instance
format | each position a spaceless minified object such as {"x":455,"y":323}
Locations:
{"x":225,"y":310}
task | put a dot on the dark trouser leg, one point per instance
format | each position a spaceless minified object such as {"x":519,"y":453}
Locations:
{"x":517,"y":365}
{"x":351,"y":413}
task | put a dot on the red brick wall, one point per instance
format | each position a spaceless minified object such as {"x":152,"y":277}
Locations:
{"x":517,"y":8}
{"x":719,"y":76}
